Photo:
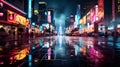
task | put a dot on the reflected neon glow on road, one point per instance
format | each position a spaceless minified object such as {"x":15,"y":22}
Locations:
{"x":30,"y":60}
{"x":60,"y":30}
{"x":60,"y":41}
{"x":49,"y":54}
{"x":76,"y":49}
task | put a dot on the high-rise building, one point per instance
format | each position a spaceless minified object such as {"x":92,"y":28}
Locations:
{"x":50,"y":19}
{"x":107,"y":11}
{"x":117,"y":8}
{"x":113,"y":12}
{"x":78,"y":15}
{"x":42,"y":8}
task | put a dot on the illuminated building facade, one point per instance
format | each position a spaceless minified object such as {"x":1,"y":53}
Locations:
{"x":112,"y":14}
{"x":78,"y":15}
{"x":11,"y":17}
{"x":117,"y":8}
{"x":116,"y":15}
{"x":50,"y":18}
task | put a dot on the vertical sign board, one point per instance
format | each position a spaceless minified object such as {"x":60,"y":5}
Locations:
{"x":92,"y":15}
{"x":100,"y":9}
{"x":49,"y":16}
{"x":29,"y":8}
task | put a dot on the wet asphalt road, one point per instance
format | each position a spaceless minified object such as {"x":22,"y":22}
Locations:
{"x":61,"y":51}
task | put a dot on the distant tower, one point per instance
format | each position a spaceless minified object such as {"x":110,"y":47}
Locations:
{"x":51,"y":14}
{"x":42,"y":12}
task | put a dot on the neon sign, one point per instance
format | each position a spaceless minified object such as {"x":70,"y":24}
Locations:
{"x":16,"y":18}
{"x":100,"y":9}
{"x":49,"y":16}
{"x":29,"y":8}
{"x":1,"y":5}
{"x":10,"y":16}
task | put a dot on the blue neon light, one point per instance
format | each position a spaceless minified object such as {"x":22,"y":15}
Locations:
{"x":29,"y":8}
{"x":33,"y":23}
{"x":30,"y":57}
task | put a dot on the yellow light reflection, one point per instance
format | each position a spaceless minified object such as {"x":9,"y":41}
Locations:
{"x":22,"y":54}
{"x":1,"y":49}
{"x":51,"y":43}
{"x":83,"y":50}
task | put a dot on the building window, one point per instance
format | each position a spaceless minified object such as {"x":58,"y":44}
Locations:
{"x":118,"y":1}
{"x":118,"y":8}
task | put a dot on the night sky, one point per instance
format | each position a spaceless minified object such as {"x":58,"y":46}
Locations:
{"x":65,"y":7}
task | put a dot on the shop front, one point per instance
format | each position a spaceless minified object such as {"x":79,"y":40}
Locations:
{"x":11,"y":18}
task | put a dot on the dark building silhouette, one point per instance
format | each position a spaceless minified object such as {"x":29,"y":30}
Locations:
{"x":108,"y":10}
{"x":42,"y":8}
{"x":117,"y":8}
{"x":18,"y":3}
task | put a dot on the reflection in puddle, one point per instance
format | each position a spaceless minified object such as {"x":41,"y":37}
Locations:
{"x":31,"y":52}
{"x":87,"y":47}
{"x":49,"y":53}
{"x":30,"y":60}
{"x":22,"y":54}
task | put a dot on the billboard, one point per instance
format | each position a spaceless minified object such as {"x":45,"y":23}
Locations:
{"x":83,"y":20}
{"x":92,"y":15}
{"x":49,"y":16}
{"x":100,"y":9}
{"x":16,"y":18}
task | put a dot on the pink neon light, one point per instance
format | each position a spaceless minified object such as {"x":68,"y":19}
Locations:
{"x":93,"y":15}
{"x":49,"y":19}
{"x":1,"y":62}
{"x":1,"y":14}
{"x":12,"y":6}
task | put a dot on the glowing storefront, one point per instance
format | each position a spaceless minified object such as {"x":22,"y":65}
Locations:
{"x":12,"y":17}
